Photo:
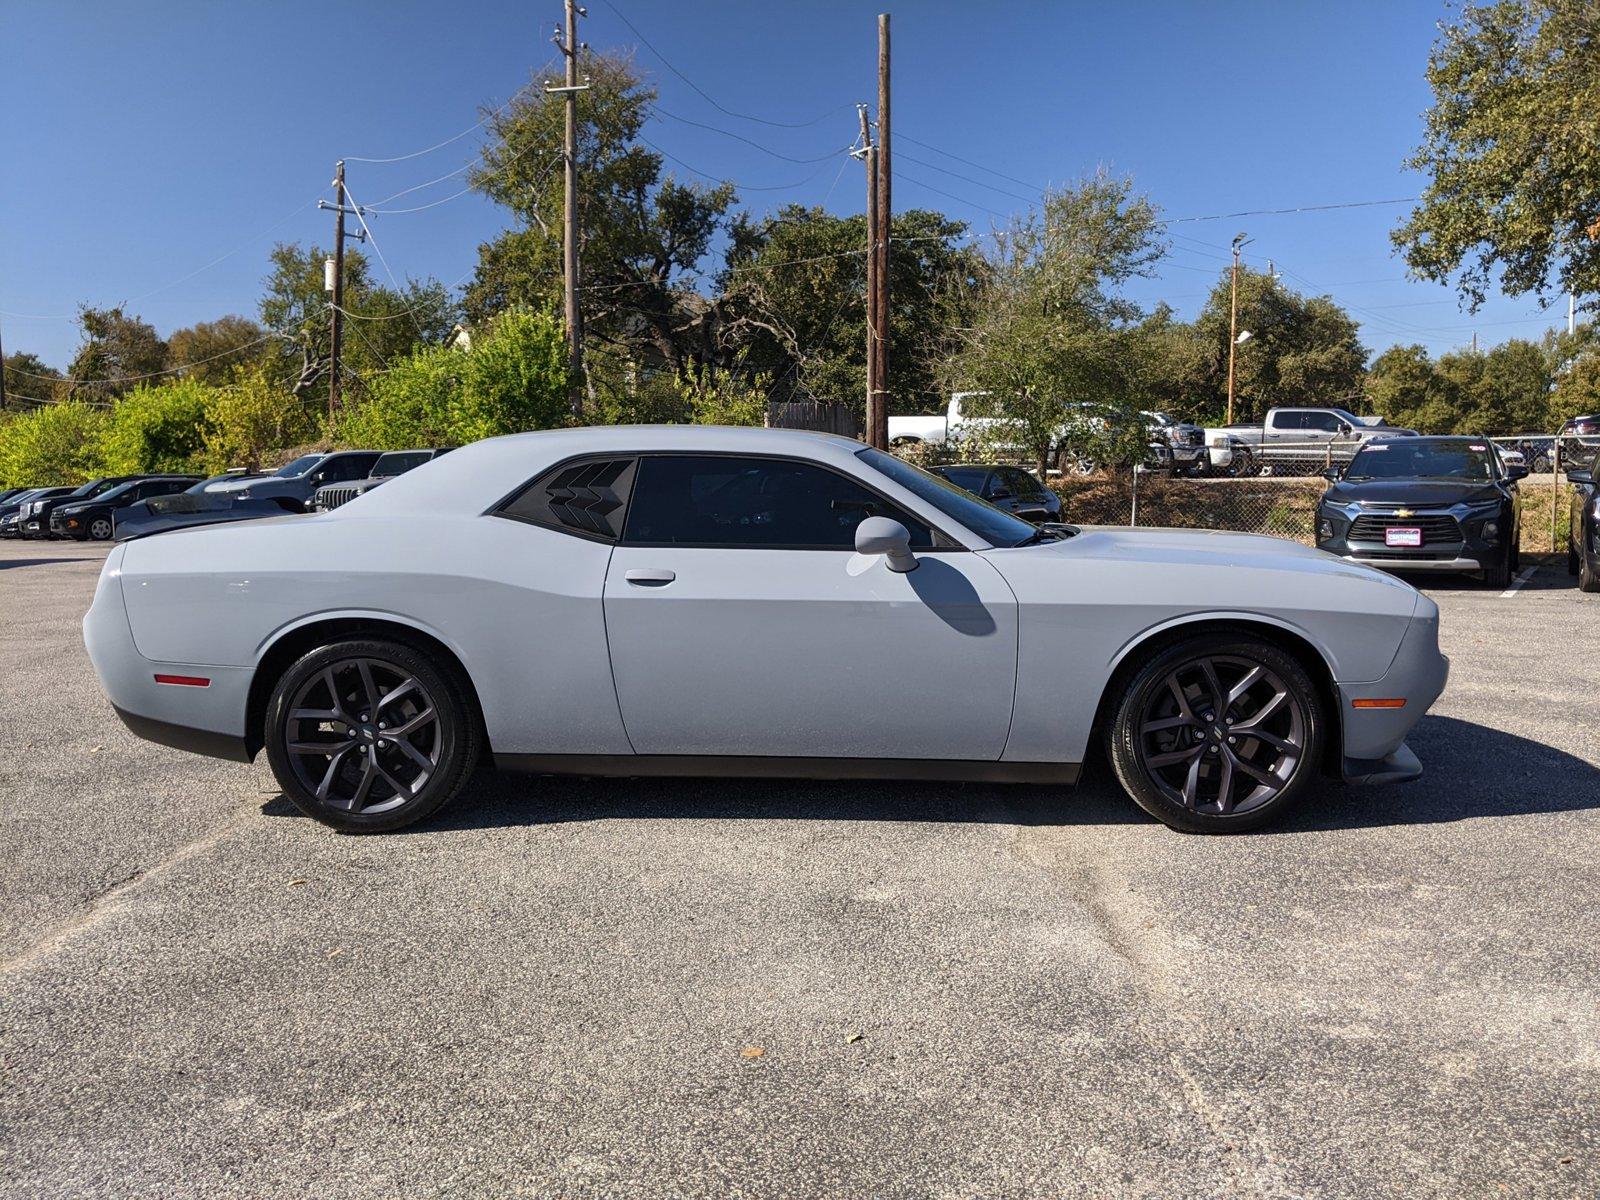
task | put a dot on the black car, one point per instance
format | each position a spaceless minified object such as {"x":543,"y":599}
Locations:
{"x":11,"y":509}
{"x":392,"y":463}
{"x":1583,"y":528}
{"x":34,"y":519}
{"x":1424,"y":504}
{"x":1009,"y":488}
{"x":94,"y":518}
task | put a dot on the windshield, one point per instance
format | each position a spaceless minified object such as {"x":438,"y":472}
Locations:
{"x":399,"y":463}
{"x":994,"y":526}
{"x":1162,"y":419}
{"x":92,"y":488}
{"x":116,"y":492}
{"x":299,"y":466}
{"x":1419,"y":459}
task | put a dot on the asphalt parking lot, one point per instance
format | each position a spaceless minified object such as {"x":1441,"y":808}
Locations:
{"x":795,"y":989}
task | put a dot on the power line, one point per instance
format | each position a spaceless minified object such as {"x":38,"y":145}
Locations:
{"x":922,"y":162}
{"x":979,"y":166}
{"x":952,"y":196}
{"x":743,"y":187}
{"x":1278,"y":212}
{"x":487,"y":117}
{"x":72,"y":379}
{"x":706,"y":96}
{"x":656,"y":108}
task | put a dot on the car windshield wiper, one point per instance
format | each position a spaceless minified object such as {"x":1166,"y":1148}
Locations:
{"x":1059,"y":534}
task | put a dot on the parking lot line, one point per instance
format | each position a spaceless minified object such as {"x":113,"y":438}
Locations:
{"x":1526,"y":574}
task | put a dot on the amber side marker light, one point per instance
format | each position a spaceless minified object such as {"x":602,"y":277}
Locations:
{"x":184,"y":680}
{"x":1400,"y":703}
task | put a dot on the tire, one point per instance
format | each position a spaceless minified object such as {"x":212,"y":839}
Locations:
{"x":367,"y":783}
{"x":1572,"y":556}
{"x":1178,"y":771}
{"x":1242,"y":467}
{"x":1498,"y":573}
{"x":99,"y":530}
{"x":1588,"y":577}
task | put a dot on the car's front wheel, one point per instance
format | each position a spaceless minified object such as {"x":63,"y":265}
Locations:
{"x":1217,"y":733}
{"x":100,"y":529}
{"x":370,"y":735}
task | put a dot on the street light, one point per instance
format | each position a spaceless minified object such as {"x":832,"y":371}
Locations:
{"x":1240,"y":241}
{"x":1244,"y":336}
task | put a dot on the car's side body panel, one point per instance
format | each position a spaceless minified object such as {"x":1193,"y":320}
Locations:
{"x":820,"y":652}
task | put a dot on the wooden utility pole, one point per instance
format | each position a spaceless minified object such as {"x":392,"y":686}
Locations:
{"x":869,"y":155}
{"x":335,"y":284}
{"x":879,"y":434}
{"x":1233,"y":322}
{"x":569,"y":46}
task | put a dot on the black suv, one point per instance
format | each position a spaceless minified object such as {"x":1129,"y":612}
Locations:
{"x":1424,"y":504}
{"x":95,"y":516}
{"x":33,"y":520}
{"x":1008,"y":488}
{"x":1583,"y":527}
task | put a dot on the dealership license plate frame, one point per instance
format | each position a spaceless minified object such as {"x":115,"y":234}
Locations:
{"x":1405,"y":537}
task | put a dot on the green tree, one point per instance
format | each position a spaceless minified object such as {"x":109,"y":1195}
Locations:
{"x":118,"y":352}
{"x":28,"y":375}
{"x":252,"y":420}
{"x":642,"y":234}
{"x":1301,"y":350}
{"x":216,"y":348}
{"x":383,"y":324}
{"x":54,"y":445}
{"x":513,"y":379}
{"x":1053,"y":331}
{"x":1511,"y":153}
{"x":159,"y":428}
{"x":793,"y":302}
{"x":1406,"y":387}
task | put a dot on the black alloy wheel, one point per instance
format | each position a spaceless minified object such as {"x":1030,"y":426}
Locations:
{"x":1217,"y":734}
{"x":369,"y":736}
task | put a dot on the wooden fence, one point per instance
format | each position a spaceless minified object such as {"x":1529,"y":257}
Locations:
{"x":813,"y":414}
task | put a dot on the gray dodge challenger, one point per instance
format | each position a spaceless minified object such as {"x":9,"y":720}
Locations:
{"x":692,"y":600}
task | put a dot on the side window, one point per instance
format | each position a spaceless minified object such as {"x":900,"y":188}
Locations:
{"x":1023,"y":485}
{"x":587,"y":498}
{"x":1322,"y":422}
{"x":342,"y":470}
{"x":723,"y":500}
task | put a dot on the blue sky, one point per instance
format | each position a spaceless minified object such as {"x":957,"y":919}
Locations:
{"x":145,"y":142}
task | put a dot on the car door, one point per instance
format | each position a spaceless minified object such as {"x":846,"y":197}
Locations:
{"x":742,"y":622}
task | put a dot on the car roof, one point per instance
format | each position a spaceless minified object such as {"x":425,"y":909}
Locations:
{"x":471,"y":478}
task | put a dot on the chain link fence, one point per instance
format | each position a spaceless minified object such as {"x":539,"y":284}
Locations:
{"x":1276,"y":493}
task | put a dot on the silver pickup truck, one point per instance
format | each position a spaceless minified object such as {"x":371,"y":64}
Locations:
{"x":1301,"y":436}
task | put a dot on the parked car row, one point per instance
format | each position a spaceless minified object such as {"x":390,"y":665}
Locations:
{"x":124,"y":506}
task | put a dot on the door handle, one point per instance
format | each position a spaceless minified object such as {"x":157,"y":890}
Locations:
{"x":649,"y":576}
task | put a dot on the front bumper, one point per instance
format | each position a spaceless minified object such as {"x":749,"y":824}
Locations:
{"x":1374,"y":749}
{"x":1398,"y":562}
{"x":1400,"y":766}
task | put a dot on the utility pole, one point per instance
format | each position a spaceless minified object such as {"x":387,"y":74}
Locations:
{"x":879,"y":433}
{"x":1572,"y":327}
{"x":333,"y":279}
{"x":869,"y":155}
{"x":569,"y":47}
{"x":1233,"y":320}
{"x":2,"y":378}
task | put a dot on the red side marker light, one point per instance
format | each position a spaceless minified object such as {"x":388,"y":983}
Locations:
{"x":184,"y":680}
{"x":1397,"y":703}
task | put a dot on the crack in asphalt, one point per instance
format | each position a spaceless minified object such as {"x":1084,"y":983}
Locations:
{"x":110,"y":900}
{"x":1245,"y":1155}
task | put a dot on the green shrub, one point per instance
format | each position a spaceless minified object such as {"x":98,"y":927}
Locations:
{"x":251,"y":421}
{"x":409,"y":405}
{"x":158,"y":428}
{"x":55,"y":444}
{"x":515,"y":379}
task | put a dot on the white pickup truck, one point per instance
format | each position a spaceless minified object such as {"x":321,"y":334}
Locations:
{"x":1305,"y":436}
{"x":1174,"y":445}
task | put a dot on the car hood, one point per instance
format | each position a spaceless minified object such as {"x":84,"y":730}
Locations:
{"x":1418,"y":493}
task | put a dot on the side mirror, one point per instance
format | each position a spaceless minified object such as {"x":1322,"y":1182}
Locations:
{"x":1515,"y":471}
{"x":1585,"y":477}
{"x":880,"y":535}
{"x":1333,"y":474}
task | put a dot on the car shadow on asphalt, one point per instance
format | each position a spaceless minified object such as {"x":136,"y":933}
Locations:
{"x":1550,"y":576}
{"x":7,"y":563}
{"x":1471,"y":771}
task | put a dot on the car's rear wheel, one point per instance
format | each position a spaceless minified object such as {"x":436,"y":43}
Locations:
{"x":1217,"y":734}
{"x":1588,"y":577}
{"x":370,"y":735}
{"x":100,"y":529}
